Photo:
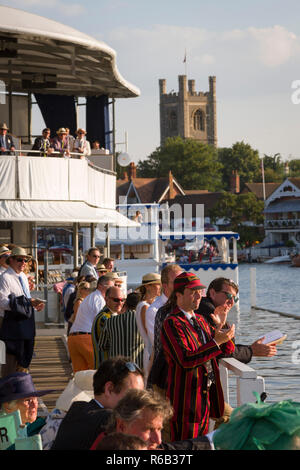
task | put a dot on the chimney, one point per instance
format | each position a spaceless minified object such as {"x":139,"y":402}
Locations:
{"x":172,"y":193}
{"x":235,"y":182}
{"x":132,"y":170}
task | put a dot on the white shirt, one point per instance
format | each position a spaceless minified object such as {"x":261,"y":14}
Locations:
{"x":2,"y":270}
{"x":88,"y":309}
{"x":151,"y":314}
{"x":84,"y":144}
{"x":10,"y":284}
{"x":189,"y":317}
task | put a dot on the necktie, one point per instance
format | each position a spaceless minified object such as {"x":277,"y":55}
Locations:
{"x":199,"y":329}
{"x":24,"y":288}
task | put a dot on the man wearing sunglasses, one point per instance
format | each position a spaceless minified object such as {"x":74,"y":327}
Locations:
{"x":17,"y":323}
{"x":221,"y":295}
{"x":118,"y":332}
{"x":89,"y":266}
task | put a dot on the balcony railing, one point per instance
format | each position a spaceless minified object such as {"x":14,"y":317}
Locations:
{"x":282,"y":223}
{"x":56,"y":179}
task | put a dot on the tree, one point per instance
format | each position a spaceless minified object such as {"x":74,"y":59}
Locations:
{"x":236,"y":209}
{"x":273,"y":168}
{"x":294,"y":167}
{"x":193,"y":164}
{"x":242,"y":158}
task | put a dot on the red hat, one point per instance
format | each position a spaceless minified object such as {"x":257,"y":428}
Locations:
{"x":189,"y":280}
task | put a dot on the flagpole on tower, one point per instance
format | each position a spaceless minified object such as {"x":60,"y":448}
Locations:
{"x":185,"y":62}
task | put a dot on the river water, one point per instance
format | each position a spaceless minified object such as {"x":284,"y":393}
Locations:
{"x":277,"y":288}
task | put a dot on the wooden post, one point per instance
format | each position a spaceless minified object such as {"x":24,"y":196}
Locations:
{"x":253,"y":287}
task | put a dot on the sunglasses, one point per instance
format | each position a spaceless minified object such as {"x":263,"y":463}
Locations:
{"x":21,"y":260}
{"x":230,"y":296}
{"x":132,"y":367}
{"x":116,"y":299}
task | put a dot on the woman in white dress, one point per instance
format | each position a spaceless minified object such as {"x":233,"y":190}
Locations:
{"x":149,"y":289}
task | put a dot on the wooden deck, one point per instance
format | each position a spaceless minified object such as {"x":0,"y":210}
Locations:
{"x":50,"y":368}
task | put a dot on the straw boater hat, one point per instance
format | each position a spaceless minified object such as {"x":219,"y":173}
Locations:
{"x":61,"y":130}
{"x":4,"y":251}
{"x":80,"y":388}
{"x":114,"y":276}
{"x":101,"y":267}
{"x":150,"y":278}
{"x":3,"y":126}
{"x":19,"y":251}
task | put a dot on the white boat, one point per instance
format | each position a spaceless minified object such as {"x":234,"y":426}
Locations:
{"x":145,"y":249}
{"x":279,"y":259}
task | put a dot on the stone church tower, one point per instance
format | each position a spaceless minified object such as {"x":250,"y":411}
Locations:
{"x":188,"y":113}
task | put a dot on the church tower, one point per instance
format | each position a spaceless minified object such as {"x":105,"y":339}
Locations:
{"x":188,"y":113}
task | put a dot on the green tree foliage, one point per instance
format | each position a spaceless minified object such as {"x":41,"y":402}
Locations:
{"x":242,"y":158}
{"x":193,"y":164}
{"x":294,"y":166}
{"x":238,"y":208}
{"x":273,"y":168}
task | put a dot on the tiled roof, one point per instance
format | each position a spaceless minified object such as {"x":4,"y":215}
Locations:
{"x":208,"y":199}
{"x":257,"y":189}
{"x":150,"y":190}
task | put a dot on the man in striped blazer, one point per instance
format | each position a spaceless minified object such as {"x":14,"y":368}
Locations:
{"x":114,"y":301}
{"x":191,"y":347}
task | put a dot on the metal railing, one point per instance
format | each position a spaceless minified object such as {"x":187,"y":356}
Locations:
{"x":247,"y":380}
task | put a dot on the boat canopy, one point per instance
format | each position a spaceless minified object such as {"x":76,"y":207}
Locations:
{"x":193,"y":235}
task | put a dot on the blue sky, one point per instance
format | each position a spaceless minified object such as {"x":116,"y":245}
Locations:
{"x":253,"y":48}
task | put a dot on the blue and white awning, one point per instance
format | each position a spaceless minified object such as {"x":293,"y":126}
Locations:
{"x":193,"y":235}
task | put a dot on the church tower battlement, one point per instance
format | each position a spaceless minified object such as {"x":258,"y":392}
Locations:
{"x":188,"y":113}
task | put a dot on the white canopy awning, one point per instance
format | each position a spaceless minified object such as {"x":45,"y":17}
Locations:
{"x":60,"y":213}
{"x":40,"y":55}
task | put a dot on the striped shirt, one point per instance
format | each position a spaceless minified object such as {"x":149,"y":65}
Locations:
{"x":119,"y":336}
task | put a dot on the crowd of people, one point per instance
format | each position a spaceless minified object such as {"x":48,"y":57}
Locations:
{"x":145,"y":362}
{"x":63,"y":144}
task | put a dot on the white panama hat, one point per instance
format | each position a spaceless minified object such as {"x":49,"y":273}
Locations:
{"x":80,"y":388}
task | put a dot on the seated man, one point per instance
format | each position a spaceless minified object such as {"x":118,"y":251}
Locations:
{"x":6,"y":141}
{"x":143,"y":413}
{"x":17,"y":392}
{"x":42,"y":144}
{"x":60,"y":143}
{"x":85,"y":420}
